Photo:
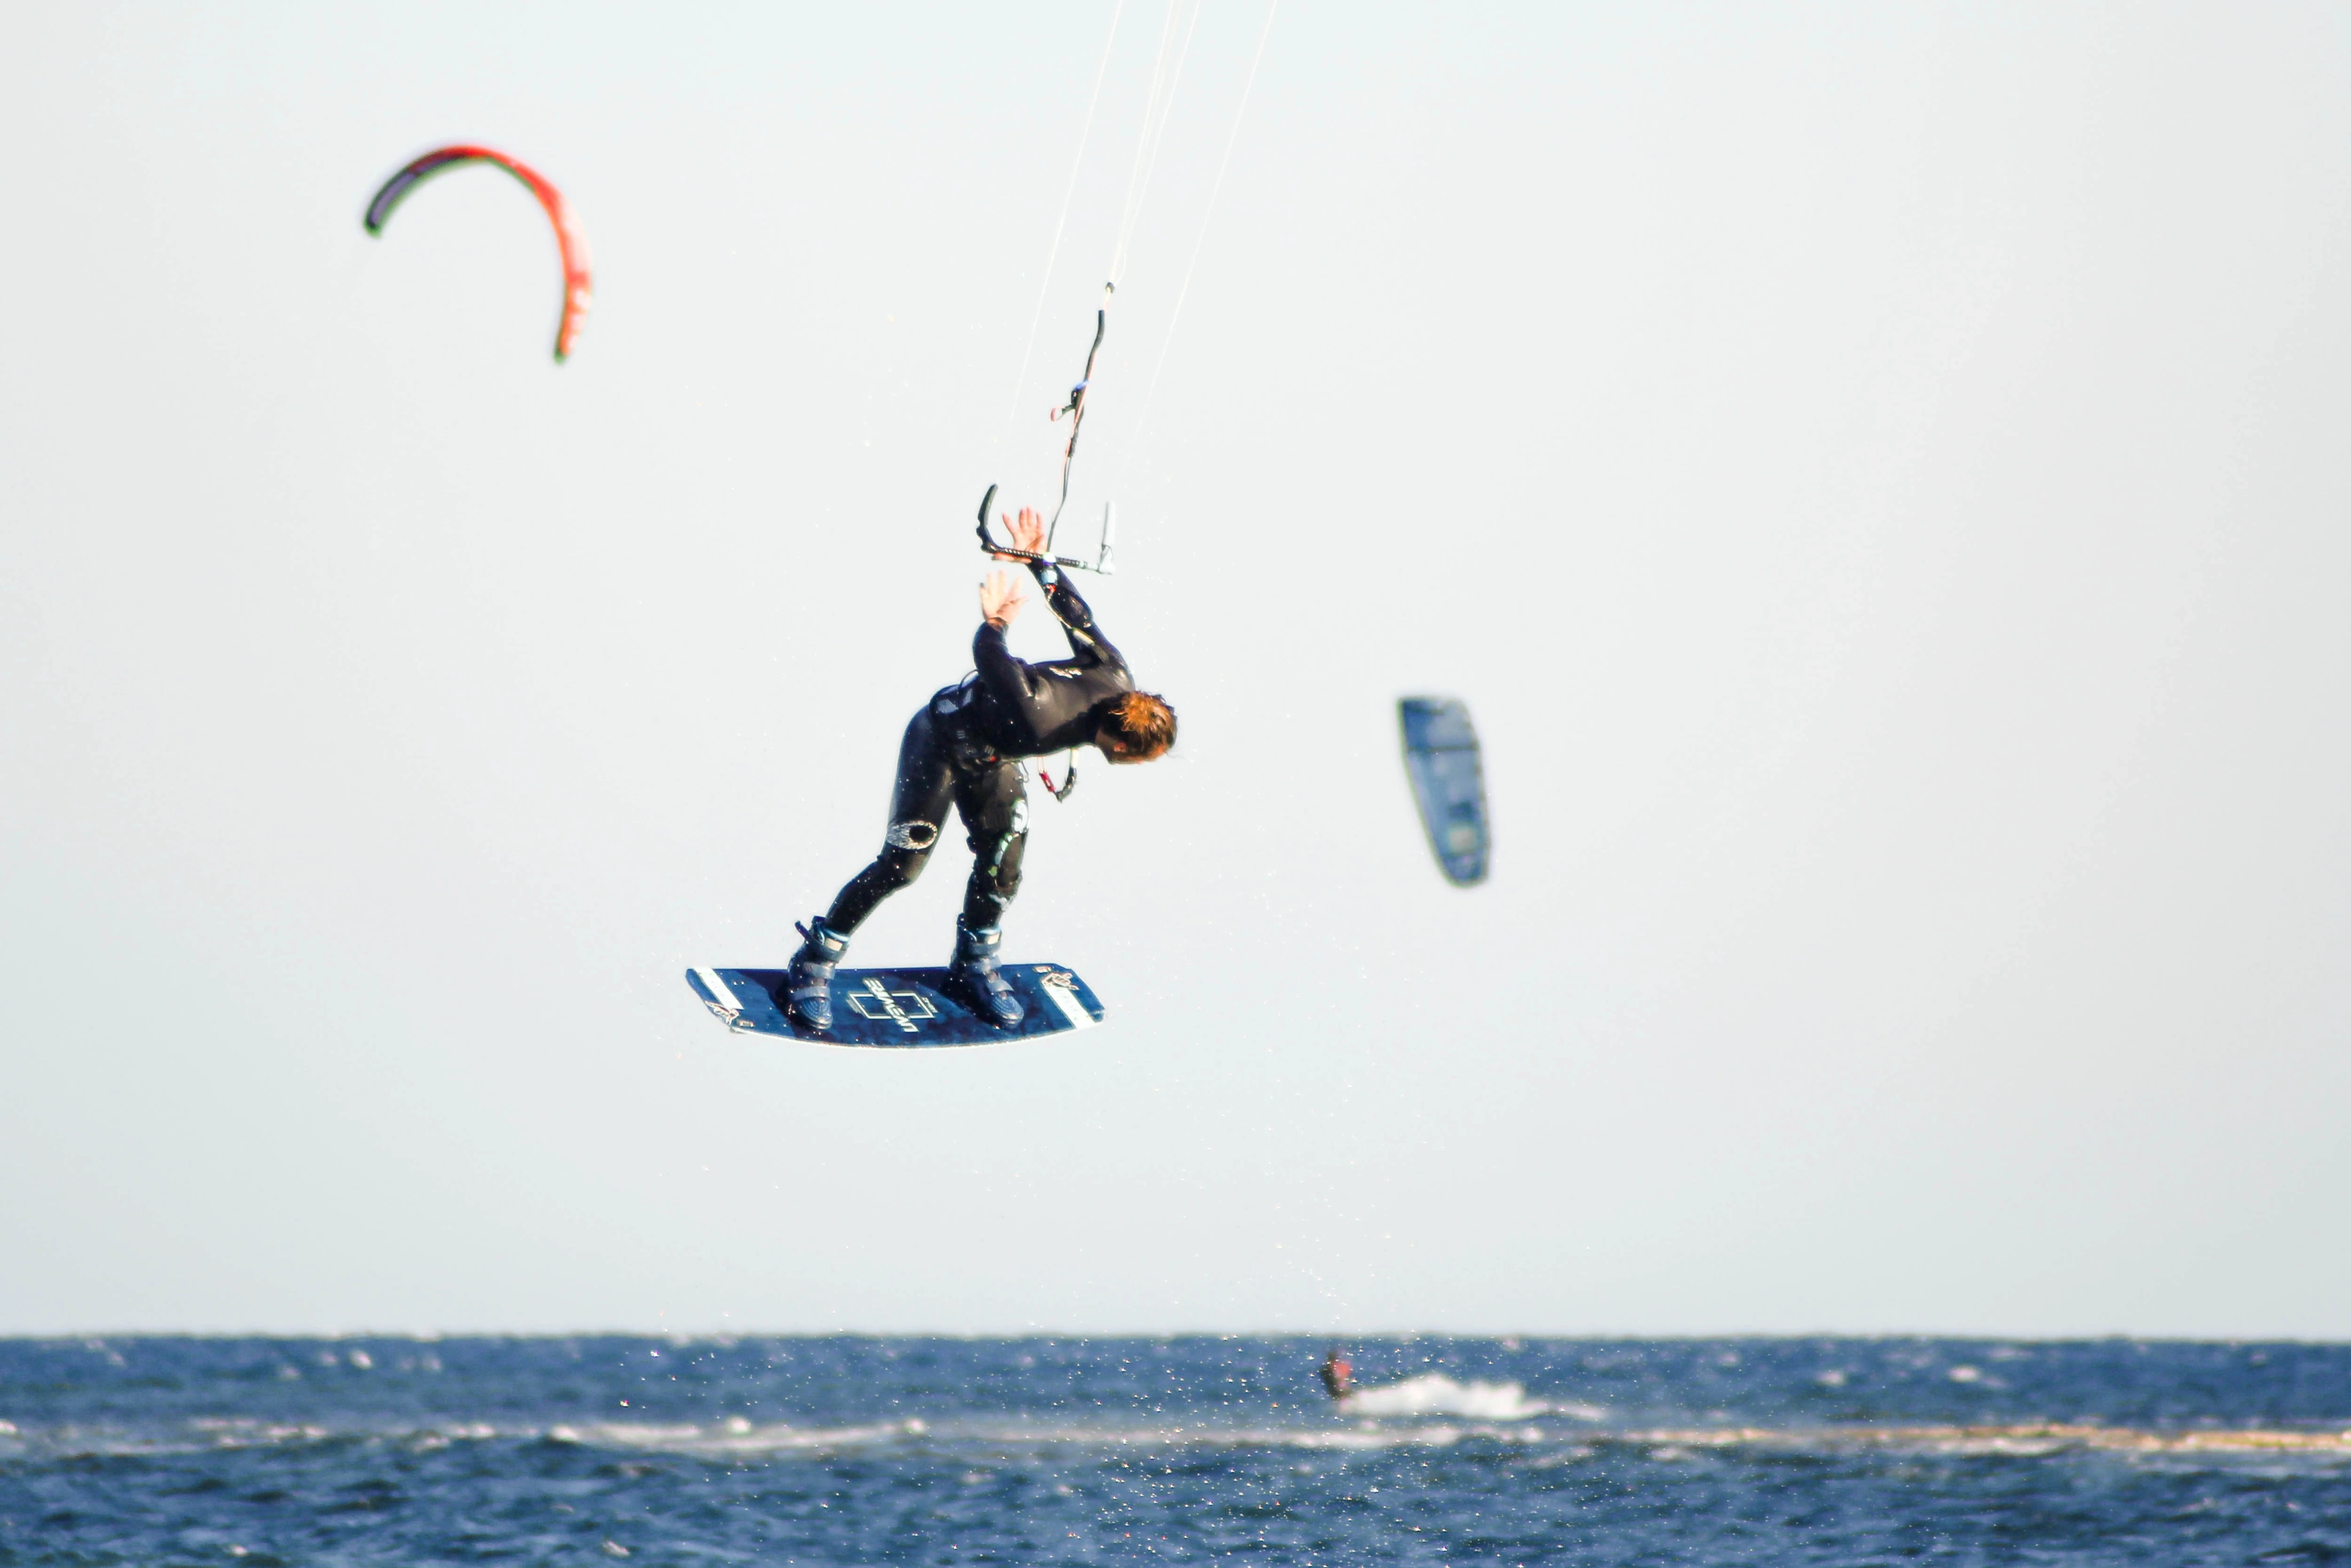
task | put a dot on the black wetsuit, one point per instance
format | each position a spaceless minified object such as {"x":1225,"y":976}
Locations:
{"x":965,"y":745}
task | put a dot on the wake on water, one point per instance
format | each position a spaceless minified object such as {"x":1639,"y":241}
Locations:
{"x":1434,"y":1394}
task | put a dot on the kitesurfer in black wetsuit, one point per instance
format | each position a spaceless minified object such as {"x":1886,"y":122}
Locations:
{"x":966,"y":746}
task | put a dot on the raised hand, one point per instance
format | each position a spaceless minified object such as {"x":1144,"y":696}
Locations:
{"x":1028,"y":528}
{"x":1000,"y":599}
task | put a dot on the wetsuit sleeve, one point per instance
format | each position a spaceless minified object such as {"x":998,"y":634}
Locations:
{"x":1076,"y":617}
{"x":1013,"y":681}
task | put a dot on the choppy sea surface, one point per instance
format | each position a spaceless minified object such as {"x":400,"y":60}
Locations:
{"x":852,"y":1450}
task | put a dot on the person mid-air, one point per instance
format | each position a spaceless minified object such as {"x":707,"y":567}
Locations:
{"x":967,"y":744}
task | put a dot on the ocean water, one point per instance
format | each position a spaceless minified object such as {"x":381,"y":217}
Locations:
{"x":853,"y":1450}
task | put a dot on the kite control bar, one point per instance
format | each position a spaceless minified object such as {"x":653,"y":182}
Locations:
{"x":1101,"y":564}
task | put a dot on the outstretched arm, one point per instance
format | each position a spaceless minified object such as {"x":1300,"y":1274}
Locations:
{"x":1000,"y":603}
{"x":1077,"y":619}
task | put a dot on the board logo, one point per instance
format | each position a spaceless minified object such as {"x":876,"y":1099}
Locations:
{"x":718,"y":998}
{"x":877,"y":1001}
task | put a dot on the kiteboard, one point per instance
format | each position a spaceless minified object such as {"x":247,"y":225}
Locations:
{"x":899,"y":1007}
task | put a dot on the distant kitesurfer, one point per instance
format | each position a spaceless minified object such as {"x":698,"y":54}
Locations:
{"x":1338,"y":1377}
{"x":965,"y":745}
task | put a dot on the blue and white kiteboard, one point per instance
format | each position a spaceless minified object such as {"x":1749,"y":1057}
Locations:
{"x":899,"y":1006}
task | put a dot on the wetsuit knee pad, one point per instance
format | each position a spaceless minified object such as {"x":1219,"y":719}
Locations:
{"x":997,"y":855}
{"x":992,"y":893}
{"x":914,"y":834}
{"x":998,"y":872}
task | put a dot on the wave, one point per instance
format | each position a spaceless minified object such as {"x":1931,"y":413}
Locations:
{"x":735,"y":1436}
{"x":1489,"y":1413}
{"x":2023,"y":1438}
{"x":1434,"y":1394}
{"x":740,"y":1437}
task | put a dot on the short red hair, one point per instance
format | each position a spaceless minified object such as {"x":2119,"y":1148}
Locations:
{"x":1143,"y":723}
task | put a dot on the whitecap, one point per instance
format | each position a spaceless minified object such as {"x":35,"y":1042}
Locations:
{"x":731,"y":1438}
{"x":1434,"y":1394}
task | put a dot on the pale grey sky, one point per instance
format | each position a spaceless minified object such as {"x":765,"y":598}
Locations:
{"x":1877,"y":474}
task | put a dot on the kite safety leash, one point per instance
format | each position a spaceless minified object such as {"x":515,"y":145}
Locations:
{"x":1076,"y":409}
{"x":1069,"y":780}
